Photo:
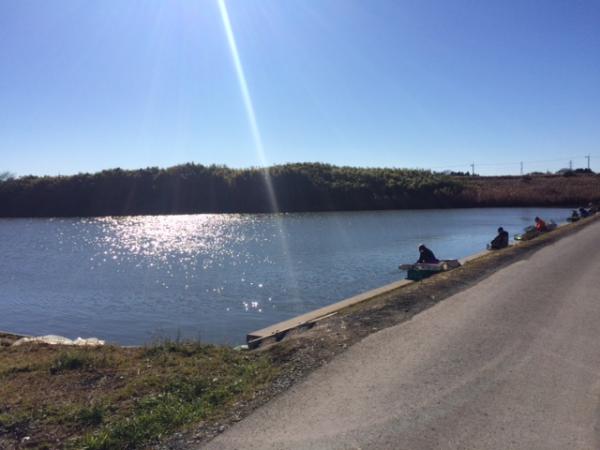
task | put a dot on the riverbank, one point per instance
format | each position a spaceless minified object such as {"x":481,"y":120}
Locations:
{"x":181,"y":394}
{"x":111,"y":397}
{"x":304,"y":350}
{"x":476,"y":371}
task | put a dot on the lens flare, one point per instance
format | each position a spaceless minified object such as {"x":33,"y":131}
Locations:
{"x":258,"y":144}
{"x":248,"y":104}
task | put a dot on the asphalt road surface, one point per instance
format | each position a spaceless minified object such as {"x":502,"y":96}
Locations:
{"x":511,"y":363}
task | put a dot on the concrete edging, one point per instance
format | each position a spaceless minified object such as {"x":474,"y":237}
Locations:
{"x":278,"y":330}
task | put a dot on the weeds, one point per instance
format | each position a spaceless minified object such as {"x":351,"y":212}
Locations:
{"x":121,"y":398}
{"x":77,"y":360}
{"x":89,"y":416}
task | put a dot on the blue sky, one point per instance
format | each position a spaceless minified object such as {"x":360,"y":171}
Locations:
{"x":86,"y":86}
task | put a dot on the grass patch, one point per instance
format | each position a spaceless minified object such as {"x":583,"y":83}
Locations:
{"x":89,"y":416}
{"x":71,"y":360}
{"x":9,"y":422}
{"x":120,"y":398}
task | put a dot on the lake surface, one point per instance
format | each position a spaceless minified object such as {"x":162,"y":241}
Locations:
{"x":131,"y":280}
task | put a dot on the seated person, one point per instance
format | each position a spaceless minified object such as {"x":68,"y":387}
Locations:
{"x":574,"y":216}
{"x":583,"y":212}
{"x":426,"y":256}
{"x":540,"y":225}
{"x":500,"y":241}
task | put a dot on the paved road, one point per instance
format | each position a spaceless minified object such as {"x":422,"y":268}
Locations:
{"x":512,"y":363}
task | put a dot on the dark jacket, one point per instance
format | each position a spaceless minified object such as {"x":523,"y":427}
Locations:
{"x":500,"y":241}
{"x":427,"y":257}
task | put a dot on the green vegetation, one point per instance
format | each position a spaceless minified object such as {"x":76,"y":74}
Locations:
{"x":193,"y":188}
{"x":120,"y":398}
{"x":78,"y":360}
{"x":6,"y":176}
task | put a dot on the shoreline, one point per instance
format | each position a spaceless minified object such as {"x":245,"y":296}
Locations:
{"x":277,"y":331}
{"x":566,"y":205}
{"x":303,"y":350}
{"x":458,"y":232}
{"x":7,"y":338}
{"x":104,"y":392}
{"x":307,"y":318}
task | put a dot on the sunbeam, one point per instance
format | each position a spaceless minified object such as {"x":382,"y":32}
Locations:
{"x":248,"y":104}
{"x":258,"y":144}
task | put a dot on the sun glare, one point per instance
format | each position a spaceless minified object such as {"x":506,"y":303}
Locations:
{"x":248,"y":104}
{"x":258,"y":144}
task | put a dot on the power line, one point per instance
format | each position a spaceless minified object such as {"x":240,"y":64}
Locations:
{"x":515,"y":164}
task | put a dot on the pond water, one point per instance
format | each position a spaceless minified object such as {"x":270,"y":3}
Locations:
{"x":131,"y":280}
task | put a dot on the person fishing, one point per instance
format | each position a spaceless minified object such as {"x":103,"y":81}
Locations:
{"x":540,"y":225}
{"x":500,"y":241}
{"x":426,"y":256}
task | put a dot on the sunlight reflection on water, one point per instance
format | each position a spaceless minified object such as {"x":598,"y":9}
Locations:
{"x":161,"y":238}
{"x":187,"y":247}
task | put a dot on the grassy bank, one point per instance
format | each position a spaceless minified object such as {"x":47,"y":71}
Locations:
{"x":120,"y":398}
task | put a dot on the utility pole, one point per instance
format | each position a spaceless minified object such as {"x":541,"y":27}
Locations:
{"x":473,"y":168}
{"x":588,"y":158}
{"x":521,"y":167}
{"x":570,"y":164}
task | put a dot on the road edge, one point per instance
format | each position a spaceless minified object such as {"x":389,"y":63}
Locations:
{"x":304,"y":349}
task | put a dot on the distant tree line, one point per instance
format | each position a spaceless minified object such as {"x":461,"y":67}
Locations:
{"x":194,"y":188}
{"x":457,"y":173}
{"x":6,"y":176}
